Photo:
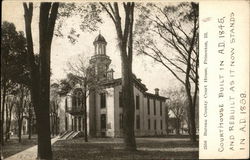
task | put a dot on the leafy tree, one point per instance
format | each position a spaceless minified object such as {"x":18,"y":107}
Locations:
{"x":20,"y":108}
{"x":10,"y":104}
{"x":13,"y":68}
{"x":30,"y":113}
{"x":169,"y":35}
{"x":40,"y":72}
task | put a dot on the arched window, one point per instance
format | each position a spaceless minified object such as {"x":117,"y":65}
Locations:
{"x":77,"y":98}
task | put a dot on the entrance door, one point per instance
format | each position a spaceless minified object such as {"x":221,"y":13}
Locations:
{"x":103,"y":125}
{"x":75,"y":123}
{"x":79,"y":124}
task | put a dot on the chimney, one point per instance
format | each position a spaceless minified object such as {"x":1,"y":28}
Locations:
{"x":157,"y":91}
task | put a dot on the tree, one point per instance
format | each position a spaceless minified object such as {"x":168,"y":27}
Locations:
{"x":20,"y":107}
{"x":177,"y":104}
{"x":54,"y":108}
{"x":167,"y":119}
{"x":40,"y":72}
{"x":79,"y":73}
{"x":171,"y":39}
{"x":10,"y":104}
{"x":125,"y":43}
{"x":13,"y":69}
{"x":30,"y":118}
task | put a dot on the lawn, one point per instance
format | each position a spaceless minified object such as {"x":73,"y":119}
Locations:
{"x":110,"y":148}
{"x":13,"y":146}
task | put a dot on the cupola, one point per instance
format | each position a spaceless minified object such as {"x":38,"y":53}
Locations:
{"x":100,"y":45}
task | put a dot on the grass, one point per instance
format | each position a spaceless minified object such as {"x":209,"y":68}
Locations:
{"x":12,"y":146}
{"x":110,"y":149}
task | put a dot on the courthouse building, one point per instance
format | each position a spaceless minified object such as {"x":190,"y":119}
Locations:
{"x":104,"y":104}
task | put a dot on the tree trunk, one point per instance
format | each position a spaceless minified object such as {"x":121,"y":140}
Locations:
{"x":129,"y":107}
{"x":57,"y":126}
{"x":30,"y":121}
{"x":6,"y":122}
{"x":191,"y":113}
{"x":40,"y":74}
{"x":43,"y":119}
{"x":85,"y":111}
{"x":20,"y":110}
{"x":178,"y":127}
{"x":20,"y":131}
{"x":125,"y":42}
{"x":192,"y":123}
{"x":2,"y":111}
{"x":167,"y":119}
{"x":192,"y":103}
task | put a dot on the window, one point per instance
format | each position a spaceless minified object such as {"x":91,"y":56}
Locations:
{"x":154,"y":108}
{"x":120,"y":99}
{"x":77,"y":99}
{"x":66,"y":104}
{"x":103,"y":121}
{"x":103,"y":100}
{"x":73,"y":101}
{"x":137,"y":102}
{"x":148,"y":124}
{"x":121,"y":121}
{"x":161,"y":124}
{"x":137,"y":121}
{"x":161,"y":108}
{"x":155,"y":125}
{"x":148,"y":106}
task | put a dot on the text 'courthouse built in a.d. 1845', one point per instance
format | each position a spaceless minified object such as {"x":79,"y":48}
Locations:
{"x":104,"y":104}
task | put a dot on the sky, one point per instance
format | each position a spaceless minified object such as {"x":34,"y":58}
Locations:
{"x":152,"y":74}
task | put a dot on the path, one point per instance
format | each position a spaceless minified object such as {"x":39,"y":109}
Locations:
{"x":28,"y":154}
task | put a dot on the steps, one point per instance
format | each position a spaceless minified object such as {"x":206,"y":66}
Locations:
{"x":71,"y":135}
{"x":62,"y":135}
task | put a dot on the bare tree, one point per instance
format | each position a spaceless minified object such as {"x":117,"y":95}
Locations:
{"x":177,"y":105}
{"x":169,"y":35}
{"x":82,"y":74}
{"x":125,"y":43}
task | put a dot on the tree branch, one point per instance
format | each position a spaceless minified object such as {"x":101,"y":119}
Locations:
{"x":109,"y":13}
{"x":52,"y":20}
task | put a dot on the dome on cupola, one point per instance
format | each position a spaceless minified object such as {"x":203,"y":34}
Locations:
{"x":100,"y":39}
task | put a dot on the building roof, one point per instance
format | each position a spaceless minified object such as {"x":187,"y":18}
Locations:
{"x":142,"y":87}
{"x":150,"y":95}
{"x":100,"y":38}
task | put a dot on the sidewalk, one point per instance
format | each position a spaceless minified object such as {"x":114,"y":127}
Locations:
{"x":28,"y":154}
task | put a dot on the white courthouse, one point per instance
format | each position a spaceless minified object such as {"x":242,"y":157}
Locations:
{"x":104,"y":107}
